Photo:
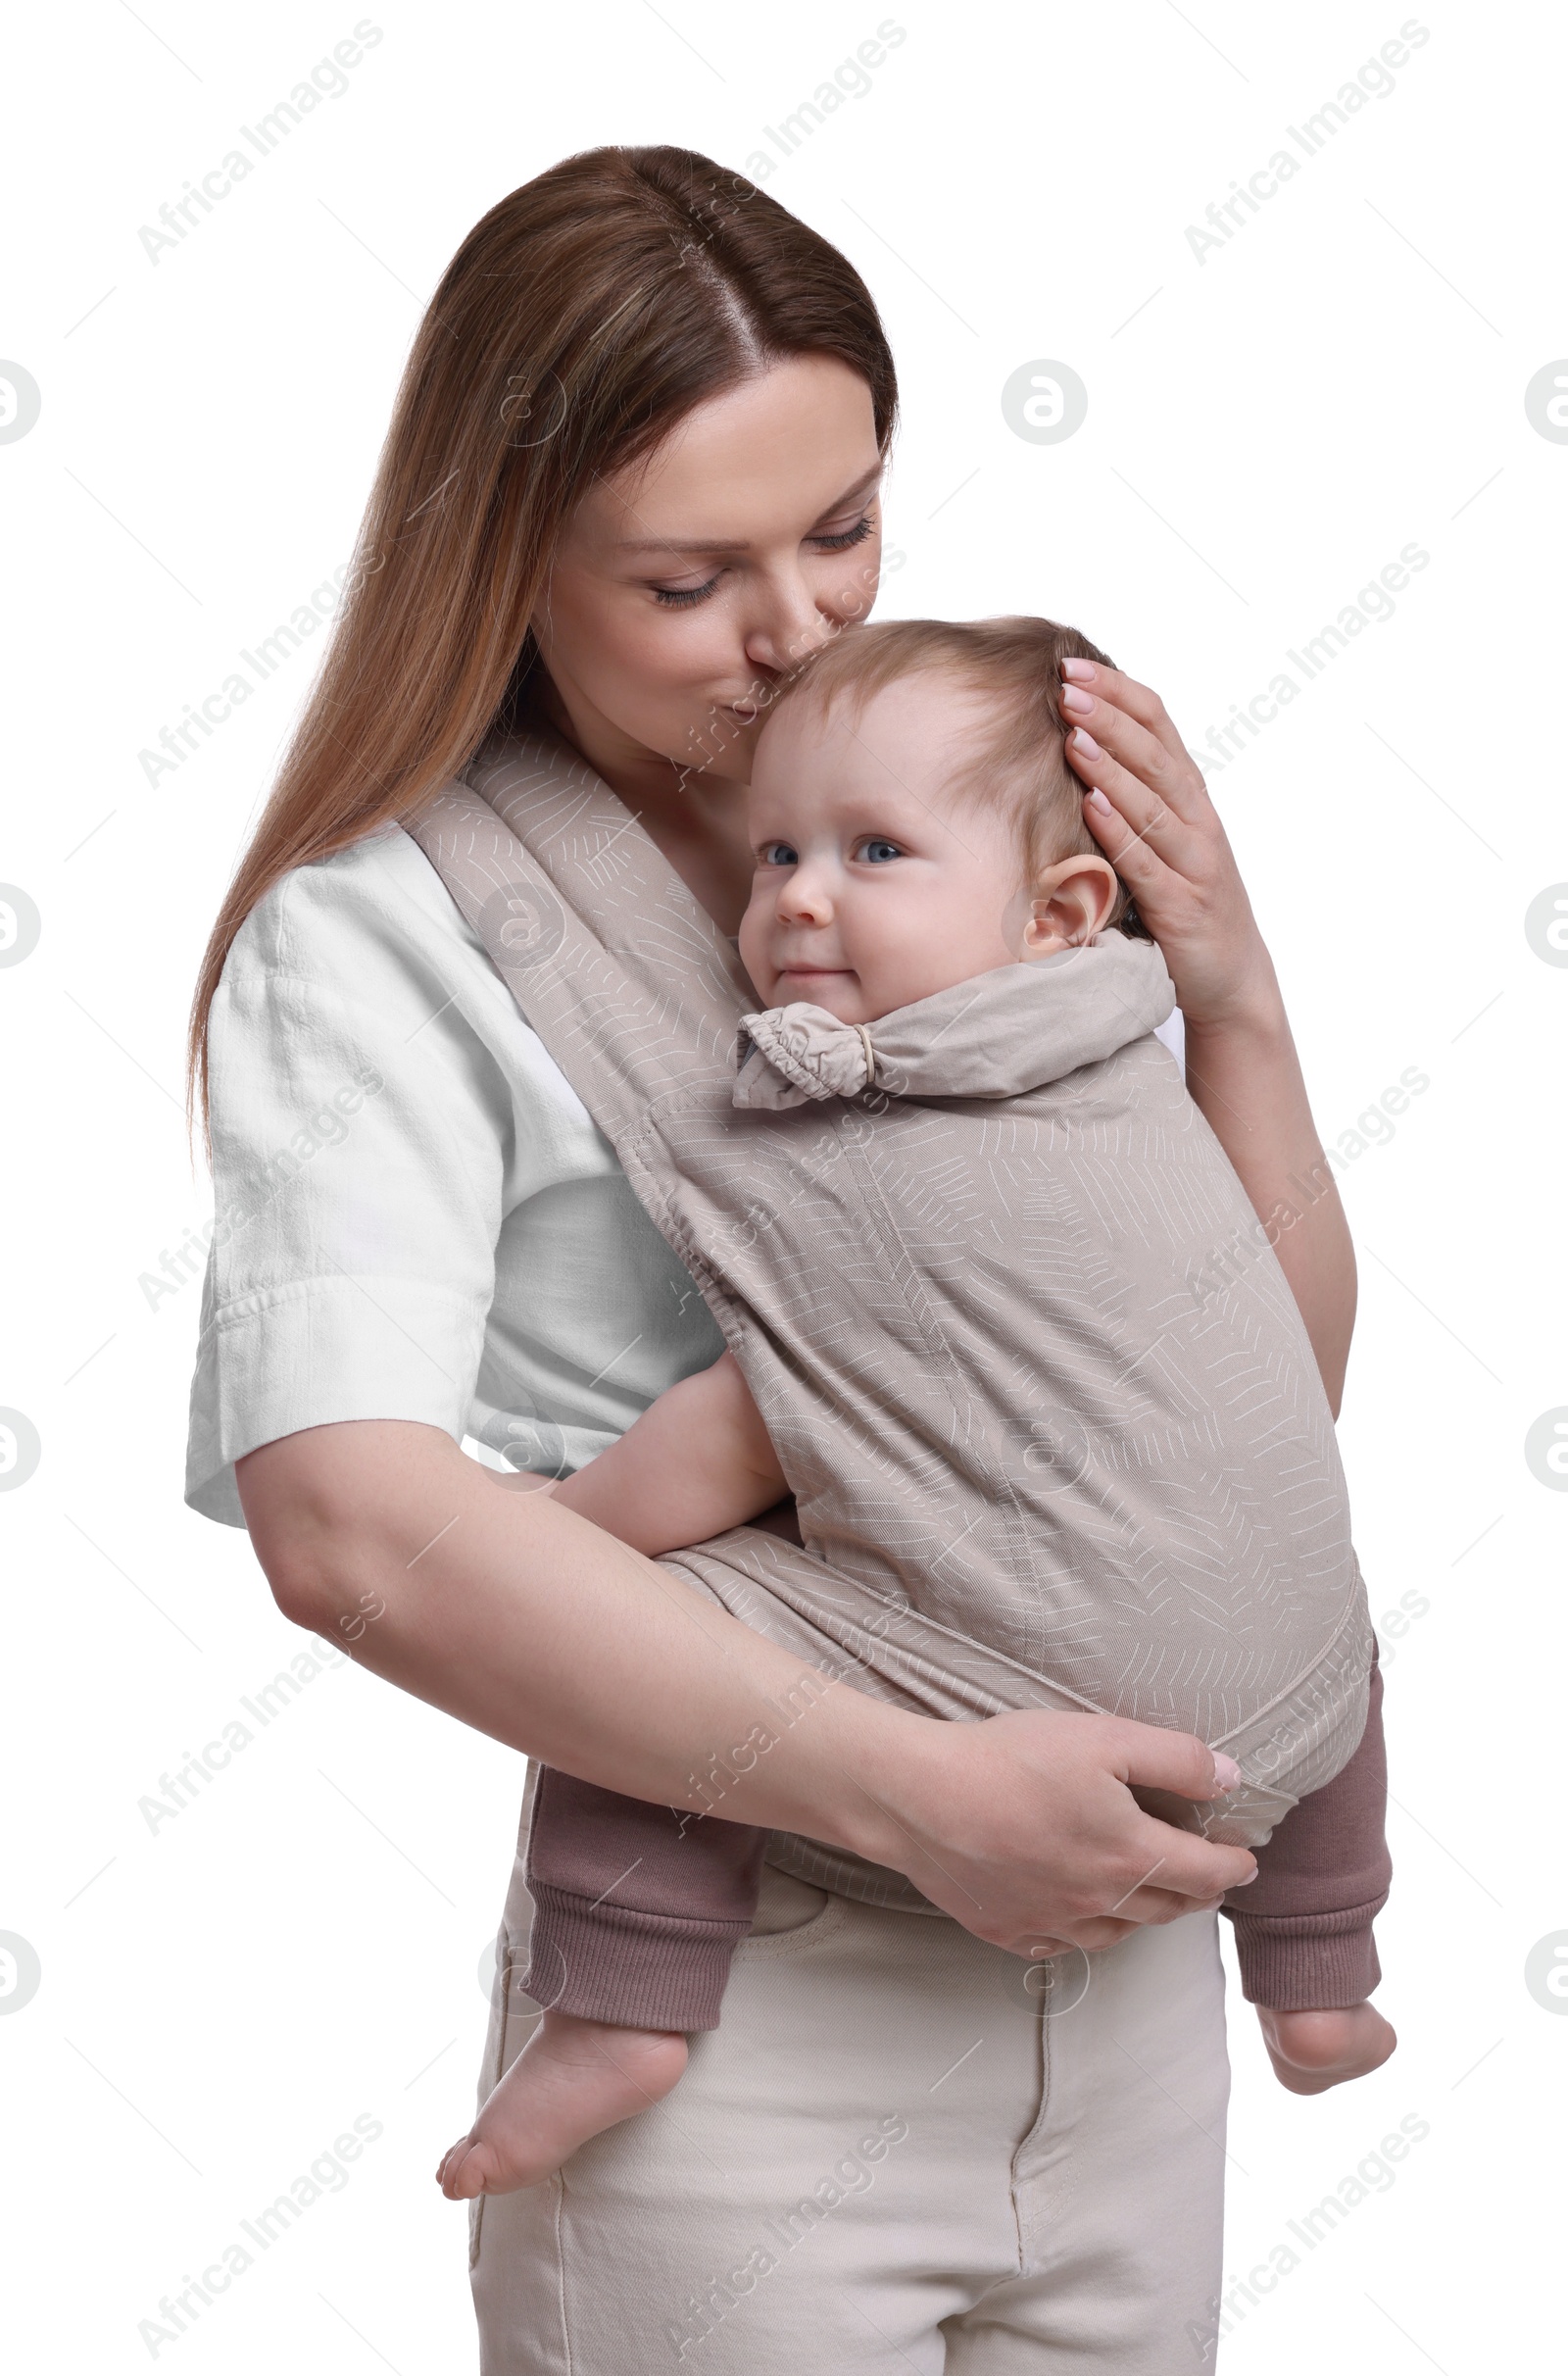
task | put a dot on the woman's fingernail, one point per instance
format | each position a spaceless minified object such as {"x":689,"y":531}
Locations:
{"x":1078,"y":703}
{"x":1082,"y":669}
{"x":1099,"y":802}
{"x":1227,"y":1773}
{"x":1086,"y":743}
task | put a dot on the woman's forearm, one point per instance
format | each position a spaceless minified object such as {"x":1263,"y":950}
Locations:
{"x":523,"y":1620}
{"x":530,"y":1625}
{"x":1148,"y":808}
{"x":1246,"y":1079}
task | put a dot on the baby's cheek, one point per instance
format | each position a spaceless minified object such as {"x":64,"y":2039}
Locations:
{"x":753,"y":944}
{"x":909,"y":951}
{"x":967,"y":930}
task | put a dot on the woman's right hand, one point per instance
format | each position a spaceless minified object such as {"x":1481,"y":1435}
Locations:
{"x":1024,"y":1827}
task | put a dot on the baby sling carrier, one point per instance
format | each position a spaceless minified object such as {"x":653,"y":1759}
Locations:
{"x":1026,"y":1356}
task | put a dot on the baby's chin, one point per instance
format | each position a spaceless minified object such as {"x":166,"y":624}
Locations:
{"x":840,"y":995}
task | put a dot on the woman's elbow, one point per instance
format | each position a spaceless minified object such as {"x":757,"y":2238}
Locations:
{"x":304,"y":1571}
{"x":309,"y":1547}
{"x":304,"y":1590}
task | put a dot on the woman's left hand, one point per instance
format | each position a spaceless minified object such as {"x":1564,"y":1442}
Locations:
{"x":1148,"y":809}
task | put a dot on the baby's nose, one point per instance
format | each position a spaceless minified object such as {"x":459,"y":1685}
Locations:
{"x":805,"y":895}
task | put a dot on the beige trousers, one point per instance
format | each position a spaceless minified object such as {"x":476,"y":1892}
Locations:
{"x":902,"y":2150}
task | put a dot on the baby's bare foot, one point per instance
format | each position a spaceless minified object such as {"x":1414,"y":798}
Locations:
{"x":1311,"y":2051}
{"x":573,"y":2079}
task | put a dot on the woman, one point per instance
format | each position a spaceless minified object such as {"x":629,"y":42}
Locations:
{"x":630,"y":482}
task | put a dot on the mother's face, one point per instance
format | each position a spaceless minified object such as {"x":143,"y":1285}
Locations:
{"x":685,"y":587}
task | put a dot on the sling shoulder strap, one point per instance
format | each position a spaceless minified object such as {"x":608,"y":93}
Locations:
{"x":630,"y":985}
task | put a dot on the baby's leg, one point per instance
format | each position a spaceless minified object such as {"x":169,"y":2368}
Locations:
{"x":1303,"y":1927}
{"x":637,"y":1911}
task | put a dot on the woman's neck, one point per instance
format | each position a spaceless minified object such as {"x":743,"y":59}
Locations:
{"x":695,"y":821}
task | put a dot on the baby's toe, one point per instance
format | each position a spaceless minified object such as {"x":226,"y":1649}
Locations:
{"x":462,"y":2170}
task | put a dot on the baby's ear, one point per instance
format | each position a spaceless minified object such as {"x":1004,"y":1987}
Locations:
{"x":1070,"y":902}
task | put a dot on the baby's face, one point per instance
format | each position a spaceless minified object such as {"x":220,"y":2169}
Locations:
{"x":875,"y":886}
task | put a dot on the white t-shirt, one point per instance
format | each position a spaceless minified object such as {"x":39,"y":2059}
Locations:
{"x":415,"y":1218}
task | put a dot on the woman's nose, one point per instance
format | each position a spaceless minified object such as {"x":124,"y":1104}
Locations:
{"x":786,"y":626}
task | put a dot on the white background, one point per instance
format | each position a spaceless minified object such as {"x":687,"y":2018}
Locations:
{"x":1266,"y":430}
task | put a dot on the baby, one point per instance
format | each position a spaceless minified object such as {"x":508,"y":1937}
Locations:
{"x":931,"y":920}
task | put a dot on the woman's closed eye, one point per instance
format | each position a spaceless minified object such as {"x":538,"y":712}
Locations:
{"x":841,"y":542}
{"x":677,"y":598}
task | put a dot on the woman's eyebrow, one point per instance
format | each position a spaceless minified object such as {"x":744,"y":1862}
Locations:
{"x":740,"y":544}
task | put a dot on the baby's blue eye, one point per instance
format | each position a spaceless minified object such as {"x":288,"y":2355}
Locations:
{"x":878,"y":852}
{"x":779,"y":853}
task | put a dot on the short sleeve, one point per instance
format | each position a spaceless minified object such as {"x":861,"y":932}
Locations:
{"x":360,"y":1132}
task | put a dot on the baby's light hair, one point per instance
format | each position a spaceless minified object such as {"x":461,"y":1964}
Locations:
{"x":1020,"y":765}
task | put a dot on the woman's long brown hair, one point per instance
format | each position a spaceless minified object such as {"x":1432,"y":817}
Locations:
{"x":577,"y":324}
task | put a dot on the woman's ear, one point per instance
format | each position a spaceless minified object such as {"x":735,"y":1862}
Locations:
{"x":1069,"y":905}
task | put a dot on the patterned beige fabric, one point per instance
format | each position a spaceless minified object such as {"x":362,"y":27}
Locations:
{"x":1042,"y":1459}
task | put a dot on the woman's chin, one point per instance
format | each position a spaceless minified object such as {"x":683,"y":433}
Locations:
{"x":716,"y":744}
